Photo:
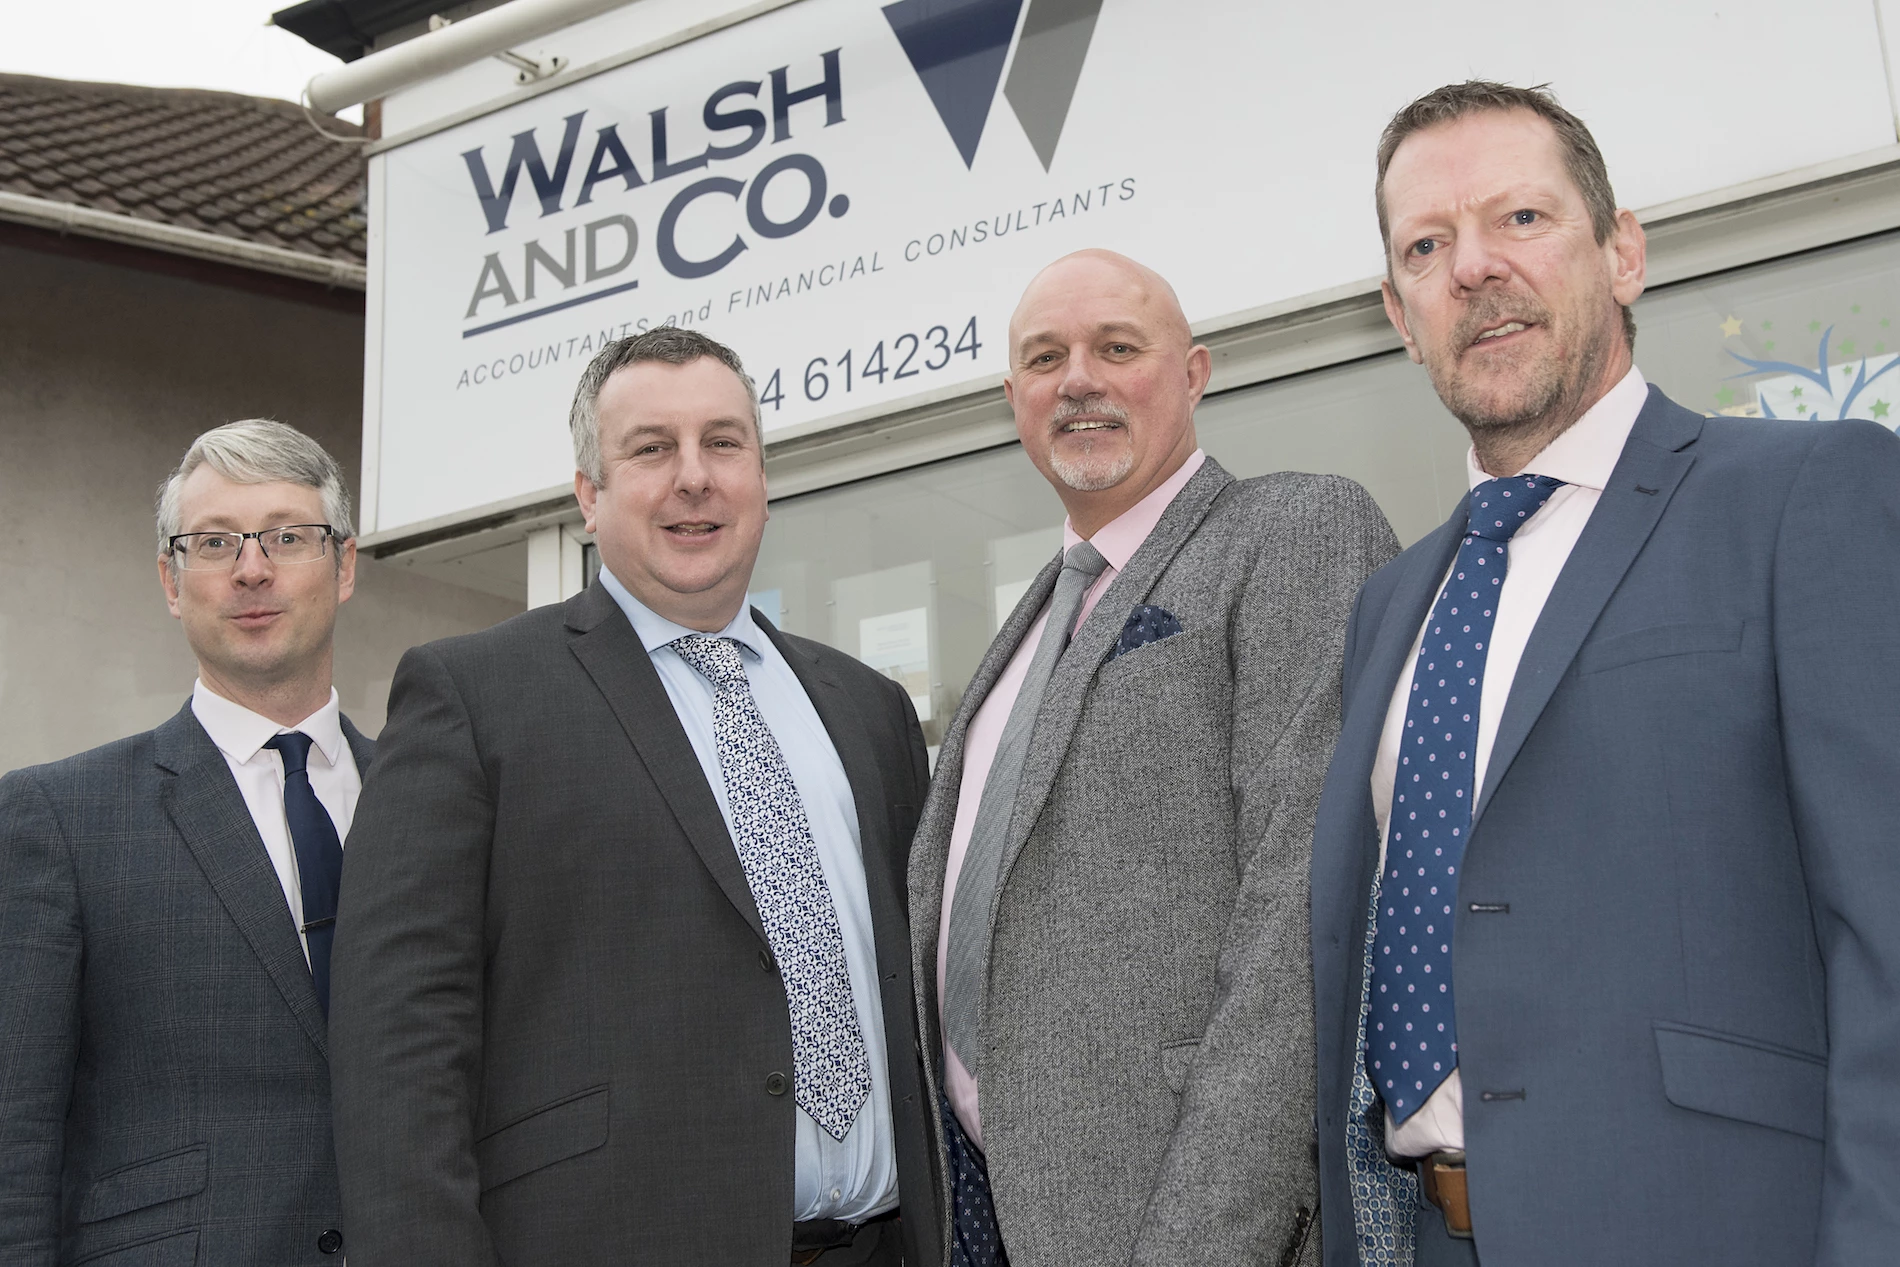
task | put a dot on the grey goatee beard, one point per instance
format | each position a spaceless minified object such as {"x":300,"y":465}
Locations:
{"x":1091,"y":472}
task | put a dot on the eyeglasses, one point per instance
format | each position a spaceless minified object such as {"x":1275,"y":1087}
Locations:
{"x":290,"y":543}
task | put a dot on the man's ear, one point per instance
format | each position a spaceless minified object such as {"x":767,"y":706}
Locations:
{"x":1631,"y":247}
{"x":345,"y":570}
{"x":1200,"y":368}
{"x":168,"y":579}
{"x":1395,"y":313}
{"x":586,"y":493}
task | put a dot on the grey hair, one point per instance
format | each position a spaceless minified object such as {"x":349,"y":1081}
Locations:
{"x":668,"y":344}
{"x":258,"y":451}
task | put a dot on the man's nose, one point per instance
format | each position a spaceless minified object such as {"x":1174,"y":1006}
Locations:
{"x":252,"y":564}
{"x":1477,"y":261}
{"x":1082,"y":375}
{"x":692,"y":474}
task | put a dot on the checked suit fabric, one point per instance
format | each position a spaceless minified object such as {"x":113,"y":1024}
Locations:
{"x":832,"y":1070}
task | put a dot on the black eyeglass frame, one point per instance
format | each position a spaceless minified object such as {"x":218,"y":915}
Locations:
{"x":329,"y":534}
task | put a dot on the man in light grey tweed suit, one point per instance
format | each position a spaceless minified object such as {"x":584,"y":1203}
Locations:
{"x":1108,"y":885}
{"x":164,"y":953}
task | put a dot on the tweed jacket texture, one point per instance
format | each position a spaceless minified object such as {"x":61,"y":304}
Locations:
{"x":1146,"y":1051}
{"x":1676,"y":957}
{"x":559,"y":1033}
{"x":164,"y":1085}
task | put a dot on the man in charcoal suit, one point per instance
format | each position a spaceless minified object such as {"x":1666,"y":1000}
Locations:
{"x":623,"y":963}
{"x":1605,"y":877}
{"x":166,"y":905}
{"x":1109,"y":885}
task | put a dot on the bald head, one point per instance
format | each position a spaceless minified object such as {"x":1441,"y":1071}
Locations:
{"x":1136,"y":290}
{"x":1104,"y":377}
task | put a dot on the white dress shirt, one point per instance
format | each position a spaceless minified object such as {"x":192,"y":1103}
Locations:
{"x":1583,"y":457}
{"x":856,"y":1177}
{"x":241,"y":735}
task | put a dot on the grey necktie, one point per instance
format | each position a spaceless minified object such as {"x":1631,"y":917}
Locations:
{"x":966,"y":973}
{"x":832,"y":1072}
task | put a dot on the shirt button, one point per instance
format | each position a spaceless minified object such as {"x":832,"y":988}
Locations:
{"x":837,"y":1194}
{"x":775,"y":1084}
{"x":330,"y":1242}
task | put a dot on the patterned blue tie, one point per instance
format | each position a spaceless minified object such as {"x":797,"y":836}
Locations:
{"x":319,"y":857}
{"x":1412,"y":1042}
{"x":832,"y":1073}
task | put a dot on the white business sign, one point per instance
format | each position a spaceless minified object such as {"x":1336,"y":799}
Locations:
{"x":852,"y":194}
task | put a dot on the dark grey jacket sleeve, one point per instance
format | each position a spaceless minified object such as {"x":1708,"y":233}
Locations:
{"x":1239,"y":1183}
{"x":407,"y":984}
{"x":40,"y":961}
{"x":1837,"y":661}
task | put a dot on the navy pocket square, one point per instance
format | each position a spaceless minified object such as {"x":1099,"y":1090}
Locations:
{"x":1144,"y":625}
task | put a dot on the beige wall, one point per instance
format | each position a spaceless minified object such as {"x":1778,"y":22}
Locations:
{"x":106,"y":374}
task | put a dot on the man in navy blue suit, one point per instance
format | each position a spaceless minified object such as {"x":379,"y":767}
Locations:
{"x":1605,"y":939}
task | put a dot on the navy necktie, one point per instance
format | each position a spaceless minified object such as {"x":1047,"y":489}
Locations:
{"x":1412,"y":1042}
{"x":319,"y":857}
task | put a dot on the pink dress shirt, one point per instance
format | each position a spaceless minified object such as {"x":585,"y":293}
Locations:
{"x":1118,"y":541}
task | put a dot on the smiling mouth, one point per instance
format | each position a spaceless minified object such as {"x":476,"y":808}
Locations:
{"x":693,"y":529}
{"x":1509,"y":327}
{"x":1075,"y":425}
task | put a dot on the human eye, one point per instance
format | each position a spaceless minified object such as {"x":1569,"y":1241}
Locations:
{"x":1523,"y":216}
{"x":1421,"y":248}
{"x":290,"y":536}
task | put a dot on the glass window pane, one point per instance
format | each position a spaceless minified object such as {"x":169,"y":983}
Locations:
{"x":915,"y":571}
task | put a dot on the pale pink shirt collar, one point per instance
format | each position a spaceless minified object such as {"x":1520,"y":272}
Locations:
{"x":1122,"y":536}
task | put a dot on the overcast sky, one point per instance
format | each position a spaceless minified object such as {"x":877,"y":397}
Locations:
{"x":166,"y":43}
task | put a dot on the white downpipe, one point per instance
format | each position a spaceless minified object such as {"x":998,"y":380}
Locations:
{"x":454,"y":46}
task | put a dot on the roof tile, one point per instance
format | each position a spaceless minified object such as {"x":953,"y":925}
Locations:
{"x":241,"y":167}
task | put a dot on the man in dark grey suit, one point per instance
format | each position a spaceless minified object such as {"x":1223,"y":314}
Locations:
{"x":623,"y":963}
{"x":1605,"y":877}
{"x":1109,"y":884}
{"x":166,"y":900}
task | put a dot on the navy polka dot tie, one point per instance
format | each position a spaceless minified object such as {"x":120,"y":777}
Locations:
{"x":1412,"y":1039}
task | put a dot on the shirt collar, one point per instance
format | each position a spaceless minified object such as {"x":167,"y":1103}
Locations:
{"x":240,"y":733}
{"x":1122,"y":536}
{"x":1586,"y":453}
{"x":656,"y":631}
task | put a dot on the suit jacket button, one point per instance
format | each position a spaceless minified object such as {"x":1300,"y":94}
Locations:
{"x":765,"y":960}
{"x":330,"y":1242}
{"x":775,"y":1084}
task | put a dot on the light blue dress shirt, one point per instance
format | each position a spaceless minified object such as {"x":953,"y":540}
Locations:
{"x":856,"y":1177}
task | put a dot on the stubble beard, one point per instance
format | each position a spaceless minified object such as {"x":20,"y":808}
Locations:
{"x":1549,"y":394}
{"x":1091,"y":472}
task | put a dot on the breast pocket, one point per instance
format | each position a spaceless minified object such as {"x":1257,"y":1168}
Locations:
{"x":567,"y":1128}
{"x":1658,"y":642}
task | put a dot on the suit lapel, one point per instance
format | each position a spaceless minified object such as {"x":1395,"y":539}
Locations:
{"x":1390,"y":658}
{"x":931,"y":847}
{"x":1069,"y":688}
{"x":1646,"y":476}
{"x":621,"y":668}
{"x":364,"y":750}
{"x":204,"y":803}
